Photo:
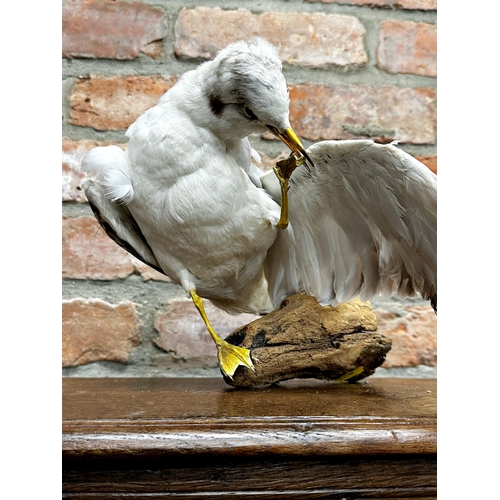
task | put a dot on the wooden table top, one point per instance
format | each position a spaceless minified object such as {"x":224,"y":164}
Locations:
{"x":150,"y":417}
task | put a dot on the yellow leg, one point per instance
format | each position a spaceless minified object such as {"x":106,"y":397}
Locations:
{"x":283,"y":171}
{"x":230,"y":356}
{"x":285,"y":186}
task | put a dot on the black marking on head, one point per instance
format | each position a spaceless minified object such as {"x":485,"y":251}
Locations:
{"x":237,"y":93}
{"x":216,"y":104}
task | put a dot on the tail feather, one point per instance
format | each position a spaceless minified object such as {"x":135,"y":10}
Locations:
{"x":110,"y":166}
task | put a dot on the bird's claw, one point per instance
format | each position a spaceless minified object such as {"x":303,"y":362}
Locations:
{"x":284,"y":168}
{"x":283,"y":171}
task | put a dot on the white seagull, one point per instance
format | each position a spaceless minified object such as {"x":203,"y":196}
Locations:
{"x":343,"y":219}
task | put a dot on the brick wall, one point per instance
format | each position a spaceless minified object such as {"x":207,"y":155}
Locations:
{"x":356,"y":69}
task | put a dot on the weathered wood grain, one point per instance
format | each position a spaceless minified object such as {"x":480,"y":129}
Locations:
{"x":303,"y":339}
{"x":156,"y":417}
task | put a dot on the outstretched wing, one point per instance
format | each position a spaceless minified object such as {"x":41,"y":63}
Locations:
{"x":116,"y":219}
{"x":362,"y":222}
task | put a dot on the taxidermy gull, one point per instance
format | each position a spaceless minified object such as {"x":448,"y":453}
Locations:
{"x":343,"y":219}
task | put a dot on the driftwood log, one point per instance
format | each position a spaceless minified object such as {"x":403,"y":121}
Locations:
{"x":303,"y":339}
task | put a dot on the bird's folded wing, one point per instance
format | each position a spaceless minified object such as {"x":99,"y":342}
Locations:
{"x":120,"y":226}
{"x":363,"y":222}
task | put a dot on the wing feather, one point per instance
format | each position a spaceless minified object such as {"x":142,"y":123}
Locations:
{"x":363,"y":223}
{"x":120,"y":226}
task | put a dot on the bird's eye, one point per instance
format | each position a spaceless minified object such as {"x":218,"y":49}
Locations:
{"x":249,"y":113}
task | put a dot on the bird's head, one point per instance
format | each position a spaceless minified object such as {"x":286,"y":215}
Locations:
{"x":247,"y":93}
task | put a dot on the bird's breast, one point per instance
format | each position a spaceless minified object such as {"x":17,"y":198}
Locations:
{"x":216,"y":224}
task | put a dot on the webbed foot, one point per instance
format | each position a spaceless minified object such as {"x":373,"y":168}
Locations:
{"x":231,"y":356}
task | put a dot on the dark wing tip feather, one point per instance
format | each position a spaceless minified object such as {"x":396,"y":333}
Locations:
{"x":434,"y":302}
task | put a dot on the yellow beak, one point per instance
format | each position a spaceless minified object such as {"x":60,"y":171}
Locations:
{"x":289,"y":137}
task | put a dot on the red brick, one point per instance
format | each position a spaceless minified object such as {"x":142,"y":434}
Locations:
{"x":72,"y":178}
{"x":407,"y":47}
{"x":89,"y":253}
{"x":93,"y":330}
{"x":112,"y":30}
{"x":114,"y":103}
{"x":182,"y":330}
{"x":414,"y":336}
{"x":311,"y":40}
{"x":392,"y":4}
{"x":382,"y":113}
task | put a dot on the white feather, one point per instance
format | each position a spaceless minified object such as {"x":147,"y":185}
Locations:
{"x":365,"y":223}
{"x":110,"y":166}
